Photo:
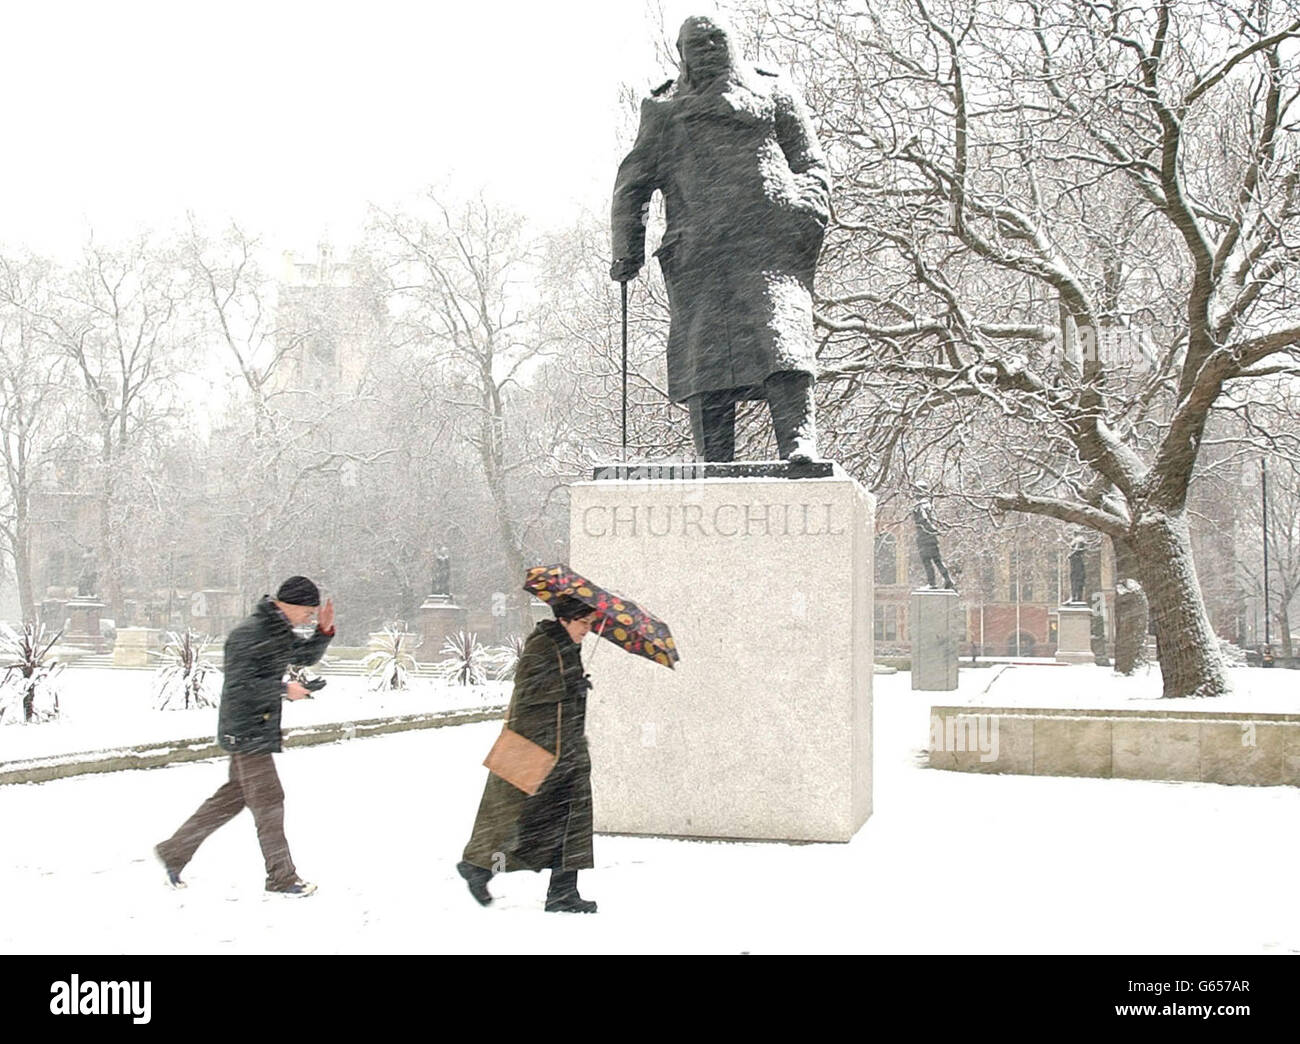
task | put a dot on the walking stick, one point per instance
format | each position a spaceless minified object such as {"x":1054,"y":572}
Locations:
{"x":623,"y":287}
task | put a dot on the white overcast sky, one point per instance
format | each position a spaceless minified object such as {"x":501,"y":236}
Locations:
{"x":293,"y":116}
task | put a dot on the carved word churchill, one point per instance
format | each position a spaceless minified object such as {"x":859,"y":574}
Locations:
{"x":720,"y":520}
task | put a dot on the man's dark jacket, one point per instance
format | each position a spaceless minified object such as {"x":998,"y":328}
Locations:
{"x":258,"y":652}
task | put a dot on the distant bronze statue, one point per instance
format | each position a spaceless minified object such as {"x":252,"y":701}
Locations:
{"x":1078,"y":570}
{"x":442,"y":571}
{"x":88,"y":578}
{"x":747,"y":196}
{"x":927,"y":539}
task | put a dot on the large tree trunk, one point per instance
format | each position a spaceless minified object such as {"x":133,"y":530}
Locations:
{"x":1284,"y":629}
{"x":1190,"y":662}
{"x":1130,"y":610}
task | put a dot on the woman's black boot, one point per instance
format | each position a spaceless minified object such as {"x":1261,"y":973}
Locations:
{"x":477,"y":878}
{"x":562,"y":895}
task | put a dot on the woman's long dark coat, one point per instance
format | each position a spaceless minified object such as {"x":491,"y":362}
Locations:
{"x":551,"y":829}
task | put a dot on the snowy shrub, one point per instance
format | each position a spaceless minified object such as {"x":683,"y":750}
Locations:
{"x":389,"y":667}
{"x":185,"y":679}
{"x":1233,"y":655}
{"x":28,"y":690}
{"x":468,"y":662}
{"x":505,"y":657}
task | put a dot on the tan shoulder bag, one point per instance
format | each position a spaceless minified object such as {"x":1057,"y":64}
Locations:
{"x":518,"y":760}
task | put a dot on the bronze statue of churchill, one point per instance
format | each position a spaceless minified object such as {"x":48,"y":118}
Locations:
{"x":747,"y":197}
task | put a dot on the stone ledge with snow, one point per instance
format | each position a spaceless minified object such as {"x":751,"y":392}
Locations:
{"x":1087,"y":721}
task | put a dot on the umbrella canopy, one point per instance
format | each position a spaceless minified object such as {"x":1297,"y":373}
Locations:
{"x":623,"y":622}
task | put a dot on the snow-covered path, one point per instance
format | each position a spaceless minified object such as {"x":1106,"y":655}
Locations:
{"x":949,"y":862}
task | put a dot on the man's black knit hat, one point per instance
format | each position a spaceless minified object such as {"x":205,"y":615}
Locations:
{"x":298,"y":590}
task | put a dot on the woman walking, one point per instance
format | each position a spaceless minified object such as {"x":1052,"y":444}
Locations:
{"x":552,"y":829}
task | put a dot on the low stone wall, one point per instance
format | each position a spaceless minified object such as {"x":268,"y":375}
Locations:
{"x":1201,"y":746}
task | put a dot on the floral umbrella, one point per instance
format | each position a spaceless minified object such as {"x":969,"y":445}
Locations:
{"x":623,"y":622}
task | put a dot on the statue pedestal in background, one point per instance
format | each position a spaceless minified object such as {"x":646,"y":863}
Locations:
{"x":934,"y":628}
{"x":82,"y":629}
{"x":763,"y":730}
{"x":1074,"y":635}
{"x":440,"y":617}
{"x":133,"y":645}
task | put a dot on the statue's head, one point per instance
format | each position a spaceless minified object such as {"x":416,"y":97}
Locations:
{"x":707,"y":51}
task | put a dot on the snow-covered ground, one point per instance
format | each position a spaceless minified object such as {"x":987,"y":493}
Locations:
{"x":949,"y":862}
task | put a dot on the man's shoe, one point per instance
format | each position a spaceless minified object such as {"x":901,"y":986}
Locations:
{"x":477,"y":878}
{"x":173,"y":876}
{"x":573,"y":903}
{"x":299,"y":887}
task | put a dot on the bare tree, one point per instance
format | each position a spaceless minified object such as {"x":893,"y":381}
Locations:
{"x":116,"y":318}
{"x":235,"y":303}
{"x":1077,"y":221}
{"x":459,"y":280}
{"x":295,"y":436}
{"x":33,"y":385}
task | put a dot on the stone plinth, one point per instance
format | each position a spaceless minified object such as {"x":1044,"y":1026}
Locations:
{"x":1074,"y":635}
{"x":133,"y":646}
{"x":763,"y":730}
{"x":82,"y":629}
{"x":440,"y":616}
{"x":934,"y":628}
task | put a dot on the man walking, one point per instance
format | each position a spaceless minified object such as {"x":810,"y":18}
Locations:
{"x":258,"y":653}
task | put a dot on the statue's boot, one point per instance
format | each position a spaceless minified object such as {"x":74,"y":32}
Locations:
{"x":790,"y":398}
{"x":713,"y":425}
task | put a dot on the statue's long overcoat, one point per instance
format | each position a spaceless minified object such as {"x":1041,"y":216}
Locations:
{"x":552,"y":829}
{"x":746,"y":193}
